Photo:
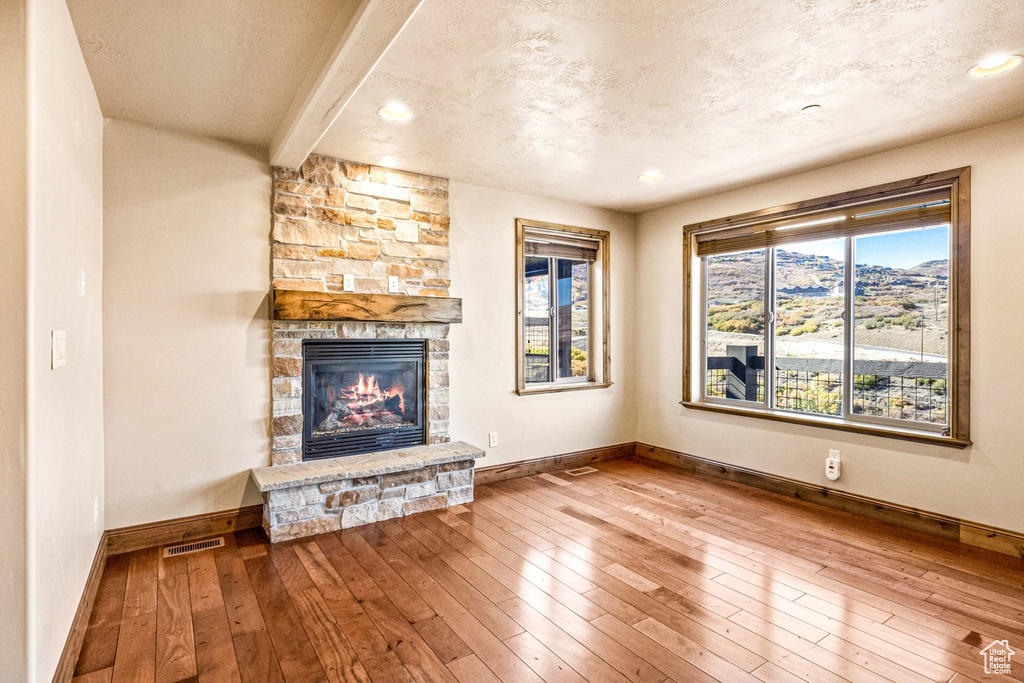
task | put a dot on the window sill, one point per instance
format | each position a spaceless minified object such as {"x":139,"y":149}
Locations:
{"x":556,"y":388}
{"x":835,"y":423}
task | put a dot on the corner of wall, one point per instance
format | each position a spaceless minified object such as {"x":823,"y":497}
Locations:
{"x":186,"y":219}
{"x":634,"y":392}
{"x":64,"y":407}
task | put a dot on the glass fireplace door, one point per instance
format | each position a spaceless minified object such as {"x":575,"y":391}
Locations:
{"x":362,"y":395}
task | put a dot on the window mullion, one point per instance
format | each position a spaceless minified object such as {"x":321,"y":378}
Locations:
{"x":553,"y":317}
{"x":703,"y":328}
{"x":848,"y":324}
{"x":771,"y":320}
{"x":591,"y":328}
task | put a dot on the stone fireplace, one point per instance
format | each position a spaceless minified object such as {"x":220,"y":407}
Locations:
{"x":360,"y":377}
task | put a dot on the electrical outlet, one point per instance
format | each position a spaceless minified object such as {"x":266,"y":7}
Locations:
{"x":82,"y":273}
{"x":833,"y":465}
{"x":492,"y":440}
{"x":393,"y":283}
{"x":349,"y":283}
{"x":96,"y":510}
{"x":58,"y":349}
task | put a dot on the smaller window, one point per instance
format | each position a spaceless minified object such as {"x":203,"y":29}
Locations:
{"x":562,"y":308}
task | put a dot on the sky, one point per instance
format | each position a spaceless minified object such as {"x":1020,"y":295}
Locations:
{"x":903,"y":249}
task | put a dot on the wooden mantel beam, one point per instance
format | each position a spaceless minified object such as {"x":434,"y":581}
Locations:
{"x":298,"y":305}
{"x":360,"y":35}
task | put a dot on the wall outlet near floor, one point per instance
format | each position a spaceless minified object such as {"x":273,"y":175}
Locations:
{"x":492,"y":440}
{"x":832,"y":470}
{"x":393,"y":284}
{"x":349,"y":282}
{"x":58,"y":349}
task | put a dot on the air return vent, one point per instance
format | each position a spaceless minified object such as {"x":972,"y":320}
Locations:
{"x":580,"y":470}
{"x":193,"y":547}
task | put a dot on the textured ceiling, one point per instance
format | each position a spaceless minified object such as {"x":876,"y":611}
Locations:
{"x":573,"y":99}
{"x":222,"y":68}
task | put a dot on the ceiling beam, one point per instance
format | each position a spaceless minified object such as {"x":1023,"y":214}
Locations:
{"x":361,"y":34}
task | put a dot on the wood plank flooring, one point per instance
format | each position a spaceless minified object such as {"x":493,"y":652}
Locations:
{"x":637,"y":572}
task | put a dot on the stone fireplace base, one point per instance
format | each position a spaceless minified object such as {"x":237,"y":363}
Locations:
{"x":319,"y":496}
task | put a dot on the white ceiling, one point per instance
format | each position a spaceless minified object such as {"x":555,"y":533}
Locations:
{"x":223,"y":68}
{"x":574,"y":98}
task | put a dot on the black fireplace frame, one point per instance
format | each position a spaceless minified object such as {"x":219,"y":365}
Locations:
{"x":323,"y":351}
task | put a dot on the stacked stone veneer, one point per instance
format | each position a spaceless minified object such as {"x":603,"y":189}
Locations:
{"x":287,"y":382}
{"x":324,"y":496}
{"x":332,"y":218}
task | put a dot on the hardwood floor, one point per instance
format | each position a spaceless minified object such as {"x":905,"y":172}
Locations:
{"x":638,"y":572}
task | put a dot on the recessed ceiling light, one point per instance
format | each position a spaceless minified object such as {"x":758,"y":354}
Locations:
{"x":388,"y":161}
{"x":810,"y":108}
{"x":995,"y":65}
{"x":650,"y":176}
{"x":396,"y":111}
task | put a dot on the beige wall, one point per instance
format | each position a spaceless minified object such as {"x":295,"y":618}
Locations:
{"x":981,"y":483}
{"x":187,"y":379}
{"x":13,"y":252}
{"x":186,"y":344}
{"x":186,"y":249}
{"x":483,"y":347}
{"x":65,"y":407}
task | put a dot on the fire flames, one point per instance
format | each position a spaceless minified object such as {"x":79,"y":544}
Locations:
{"x":367,"y":392}
{"x":363,"y":405}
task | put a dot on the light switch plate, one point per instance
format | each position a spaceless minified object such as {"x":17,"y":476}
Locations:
{"x":350,"y":282}
{"x":392,"y":283}
{"x":58,"y":349}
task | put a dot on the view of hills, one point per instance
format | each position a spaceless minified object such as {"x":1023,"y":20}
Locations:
{"x":900,"y":315}
{"x":739,"y":276}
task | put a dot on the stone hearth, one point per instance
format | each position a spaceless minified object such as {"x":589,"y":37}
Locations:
{"x":327,"y":495}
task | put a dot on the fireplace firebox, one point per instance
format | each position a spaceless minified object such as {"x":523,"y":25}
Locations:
{"x":362,"y":395}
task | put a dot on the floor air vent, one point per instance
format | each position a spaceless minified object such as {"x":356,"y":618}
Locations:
{"x":193,"y":547}
{"x":580,"y":470}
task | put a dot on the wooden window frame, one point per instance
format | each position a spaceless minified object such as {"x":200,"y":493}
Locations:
{"x":600,"y":372}
{"x":959,"y":375}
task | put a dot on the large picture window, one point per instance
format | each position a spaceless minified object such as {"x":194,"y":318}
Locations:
{"x":562,"y":307}
{"x":849,"y":311}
